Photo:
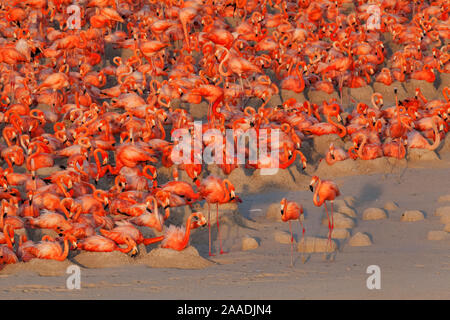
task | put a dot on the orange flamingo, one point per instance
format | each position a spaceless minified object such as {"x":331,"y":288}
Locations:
{"x":52,"y":250}
{"x":177,"y":238}
{"x":292,"y":211}
{"x":97,"y":243}
{"x":326,"y":190}
{"x":335,"y":154}
{"x":216,"y":190}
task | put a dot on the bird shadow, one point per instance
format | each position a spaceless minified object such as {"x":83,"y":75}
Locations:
{"x":368,"y":193}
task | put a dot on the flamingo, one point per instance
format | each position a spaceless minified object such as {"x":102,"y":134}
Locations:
{"x":51,"y":249}
{"x":7,"y":255}
{"x":38,"y":159}
{"x":130,"y":155}
{"x":55,"y":81}
{"x":186,"y":15}
{"x":216,"y":190}
{"x":177,"y":238}
{"x":149,"y":219}
{"x":237,"y":65}
{"x":426,"y":74}
{"x":97,"y":243}
{"x":335,"y":154}
{"x":49,"y":220}
{"x":182,"y":189}
{"x":292,"y":211}
{"x":326,"y":190}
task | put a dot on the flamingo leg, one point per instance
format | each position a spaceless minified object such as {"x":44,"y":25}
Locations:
{"x":332,"y":225}
{"x":218,"y":230}
{"x":332,"y":220}
{"x":292,"y":244}
{"x":329,"y":227}
{"x":303,"y":238}
{"x":209,"y":228}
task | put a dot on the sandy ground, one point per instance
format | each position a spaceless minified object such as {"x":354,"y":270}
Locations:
{"x":412,"y":267}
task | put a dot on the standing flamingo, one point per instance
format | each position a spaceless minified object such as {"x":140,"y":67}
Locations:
{"x":292,"y":211}
{"x":326,"y":190}
{"x":216,"y":190}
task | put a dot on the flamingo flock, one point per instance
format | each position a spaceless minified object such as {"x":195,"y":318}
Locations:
{"x":74,"y":119}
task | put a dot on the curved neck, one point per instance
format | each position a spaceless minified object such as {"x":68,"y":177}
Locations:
{"x":286,"y":164}
{"x":361,"y":147}
{"x":187,"y":232}
{"x":437,"y":138}
{"x":300,"y":77}
{"x":225,"y":185}
{"x":317,"y":202}
{"x":65,"y":252}
{"x":64,"y":209}
{"x":6,"y":231}
{"x":340,"y":126}
{"x":128,"y":248}
{"x":97,"y":161}
{"x":221,"y":71}
{"x":163,"y":132}
{"x":330,"y":157}
{"x":156,"y":213}
{"x":33,"y":155}
{"x":380,"y":56}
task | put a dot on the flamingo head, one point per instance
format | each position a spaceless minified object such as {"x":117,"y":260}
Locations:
{"x":283,"y":205}
{"x":201,"y":220}
{"x":313,"y":182}
{"x":72,"y":241}
{"x":134,"y":252}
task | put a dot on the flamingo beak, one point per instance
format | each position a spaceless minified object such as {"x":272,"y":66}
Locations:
{"x":311,"y":188}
